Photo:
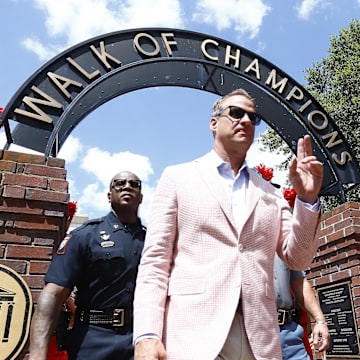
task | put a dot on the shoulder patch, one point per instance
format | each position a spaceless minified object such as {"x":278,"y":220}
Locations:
{"x":62,"y":247}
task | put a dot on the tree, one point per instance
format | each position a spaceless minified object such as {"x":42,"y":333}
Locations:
{"x":335,"y":83}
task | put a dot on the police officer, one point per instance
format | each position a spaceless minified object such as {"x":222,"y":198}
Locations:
{"x":100,"y":259}
{"x":288,"y":281}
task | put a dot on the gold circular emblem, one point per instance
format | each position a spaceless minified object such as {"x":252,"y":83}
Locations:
{"x":15,"y":313}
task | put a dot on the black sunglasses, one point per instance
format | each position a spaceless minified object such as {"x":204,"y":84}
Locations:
{"x":118,"y":184}
{"x":236,"y":113}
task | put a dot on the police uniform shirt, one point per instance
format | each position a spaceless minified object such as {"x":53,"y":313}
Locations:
{"x":283,"y":277}
{"x":100,"y":258}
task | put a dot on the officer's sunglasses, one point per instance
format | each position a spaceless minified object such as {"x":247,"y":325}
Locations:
{"x":236,"y":113}
{"x":118,"y":184}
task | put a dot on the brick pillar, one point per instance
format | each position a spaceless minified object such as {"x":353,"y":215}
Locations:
{"x":33,"y":208}
{"x":337,"y":259}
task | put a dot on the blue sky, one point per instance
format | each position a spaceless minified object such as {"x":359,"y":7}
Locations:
{"x":147,"y":130}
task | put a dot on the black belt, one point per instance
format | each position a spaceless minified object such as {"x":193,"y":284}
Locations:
{"x":285,"y":316}
{"x":114,"y":318}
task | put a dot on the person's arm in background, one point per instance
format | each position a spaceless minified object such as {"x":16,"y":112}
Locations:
{"x":305,"y":296}
{"x":45,"y":319}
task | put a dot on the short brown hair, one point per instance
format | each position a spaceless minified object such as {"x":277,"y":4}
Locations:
{"x":217,"y":107}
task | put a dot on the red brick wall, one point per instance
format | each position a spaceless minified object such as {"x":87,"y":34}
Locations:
{"x":337,"y":257}
{"x":33,"y":208}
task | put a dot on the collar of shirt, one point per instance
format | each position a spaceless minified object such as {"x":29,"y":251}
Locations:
{"x":235,"y":186}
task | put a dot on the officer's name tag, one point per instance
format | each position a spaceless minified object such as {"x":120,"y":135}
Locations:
{"x":106,"y":244}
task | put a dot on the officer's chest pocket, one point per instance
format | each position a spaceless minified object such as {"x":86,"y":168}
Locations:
{"x":107,"y":253}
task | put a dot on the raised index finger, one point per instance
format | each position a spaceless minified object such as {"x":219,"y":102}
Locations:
{"x":304,"y":148}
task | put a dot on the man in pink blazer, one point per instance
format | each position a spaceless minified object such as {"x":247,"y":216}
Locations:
{"x":205,"y":282}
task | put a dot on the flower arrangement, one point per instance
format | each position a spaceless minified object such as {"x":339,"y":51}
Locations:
{"x":72,"y":208}
{"x":290,"y":195}
{"x":268,"y":173}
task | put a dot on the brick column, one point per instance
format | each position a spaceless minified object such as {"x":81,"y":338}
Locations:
{"x":33,"y":208}
{"x":337,"y":258}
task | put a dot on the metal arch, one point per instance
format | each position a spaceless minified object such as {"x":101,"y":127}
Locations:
{"x":184,"y":70}
{"x":189,"y":73}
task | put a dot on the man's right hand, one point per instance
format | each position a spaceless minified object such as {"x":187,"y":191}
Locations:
{"x":150,"y":349}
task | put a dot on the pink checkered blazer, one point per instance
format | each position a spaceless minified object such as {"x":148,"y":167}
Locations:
{"x":195,"y":264}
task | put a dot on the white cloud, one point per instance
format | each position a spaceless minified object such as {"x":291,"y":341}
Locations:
{"x":71,"y":149}
{"x":147,"y":13}
{"x":308,"y":7}
{"x":43,"y":53}
{"x":243,"y":16}
{"x":93,"y":198}
{"x":69,"y":22}
{"x":104,"y":165}
{"x":72,"y":189}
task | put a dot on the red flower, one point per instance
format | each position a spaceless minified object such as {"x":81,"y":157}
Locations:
{"x":289,"y":195}
{"x":267,"y":173}
{"x":72,"y":208}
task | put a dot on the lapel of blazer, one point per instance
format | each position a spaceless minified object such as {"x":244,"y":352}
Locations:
{"x":212,"y":179}
{"x":255,"y":191}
